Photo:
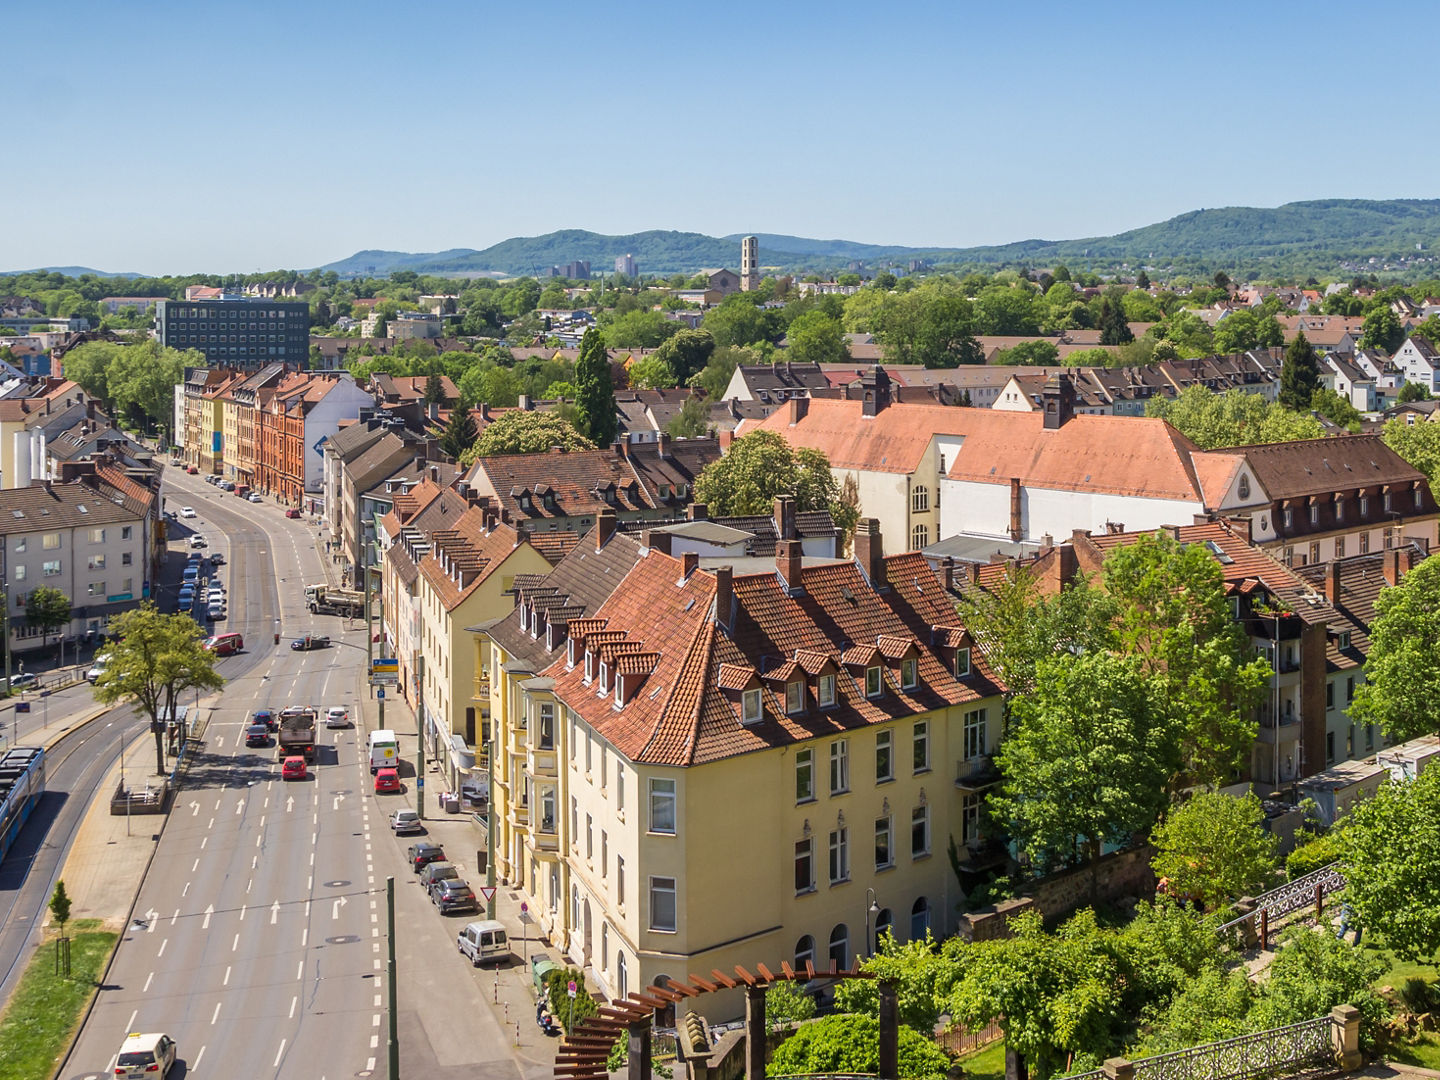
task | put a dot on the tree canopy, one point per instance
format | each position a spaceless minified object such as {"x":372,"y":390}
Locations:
{"x":595,"y":390}
{"x":1418,"y":444}
{"x":763,"y":465}
{"x":521,"y":432}
{"x":1233,"y":418}
{"x":1215,"y":847}
{"x":47,"y":609}
{"x":1299,"y":375}
{"x":1402,"y":672}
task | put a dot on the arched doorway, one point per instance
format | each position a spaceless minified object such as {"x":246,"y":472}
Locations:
{"x":884,"y":924}
{"x":919,"y":919}
{"x":840,"y":946}
{"x":665,"y":1017}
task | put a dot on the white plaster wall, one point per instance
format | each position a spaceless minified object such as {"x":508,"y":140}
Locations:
{"x":985,"y":508}
{"x":344,"y":402}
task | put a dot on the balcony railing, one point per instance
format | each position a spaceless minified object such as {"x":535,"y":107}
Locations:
{"x":481,"y":691}
{"x":975,"y":773}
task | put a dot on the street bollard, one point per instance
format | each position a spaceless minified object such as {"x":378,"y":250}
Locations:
{"x":497,"y":984}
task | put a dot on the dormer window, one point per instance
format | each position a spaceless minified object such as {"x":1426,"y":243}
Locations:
{"x":1365,"y":504}
{"x":589,"y":665}
{"x":1387,"y":502}
{"x":825,"y":691}
{"x":619,"y":695}
{"x":604,"y":677}
{"x":874,"y":682}
{"x":1289,"y":518}
{"x":570,"y":653}
{"x":525,"y":502}
{"x":909,"y":673}
{"x":1340,"y":509}
{"x":962,"y":663}
{"x":1418,"y":499}
{"x":795,"y":697}
{"x":750,"y":706}
{"x":1344,"y":641}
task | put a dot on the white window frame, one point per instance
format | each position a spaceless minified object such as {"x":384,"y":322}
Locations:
{"x":805,"y":775}
{"x":660,"y":889}
{"x":909,"y":673}
{"x":876,"y":676}
{"x":795,"y":696}
{"x":920,"y":747}
{"x":659,"y":797}
{"x":825,"y":691}
{"x":839,"y":767}
{"x":884,"y":757}
{"x":839,"y":866}
{"x":751,"y":705}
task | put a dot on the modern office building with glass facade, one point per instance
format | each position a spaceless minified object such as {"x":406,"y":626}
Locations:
{"x":237,"y":333}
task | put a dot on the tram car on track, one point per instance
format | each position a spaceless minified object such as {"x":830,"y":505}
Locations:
{"x":22,"y":782}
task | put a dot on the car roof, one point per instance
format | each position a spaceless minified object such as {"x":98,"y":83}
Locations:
{"x":139,"y":1041}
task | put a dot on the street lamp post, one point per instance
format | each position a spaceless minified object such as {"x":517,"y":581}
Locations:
{"x":872,"y":909}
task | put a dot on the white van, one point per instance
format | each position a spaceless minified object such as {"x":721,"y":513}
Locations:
{"x":145,"y":1056}
{"x":384,"y":750}
{"x":484,"y":940}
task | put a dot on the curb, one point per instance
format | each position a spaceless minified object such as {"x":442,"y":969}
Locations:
{"x":99,"y":711}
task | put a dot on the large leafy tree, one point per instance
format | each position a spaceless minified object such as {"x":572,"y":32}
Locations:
{"x":1241,"y":330}
{"x":1233,"y":418}
{"x":1382,"y":329}
{"x":932,"y":325}
{"x":1392,"y":865}
{"x":47,"y":609}
{"x":1083,"y":765}
{"x":1412,"y":391}
{"x":1299,"y":375}
{"x":1215,"y":847}
{"x":761,"y":466}
{"x":816,"y":338}
{"x":686,"y":354}
{"x":1419,"y":444}
{"x":1202,"y":677}
{"x":155,"y":659}
{"x":1402,"y":672}
{"x":595,"y":390}
{"x":525,"y":433}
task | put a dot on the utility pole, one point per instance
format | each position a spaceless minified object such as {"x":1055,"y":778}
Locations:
{"x":393,"y":1046}
{"x":369,"y":645}
{"x":420,"y":742}
{"x":5,"y":623}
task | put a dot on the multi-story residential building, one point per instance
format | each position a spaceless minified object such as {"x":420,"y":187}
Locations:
{"x":241,"y":407}
{"x":1419,"y":360}
{"x":202,"y":424}
{"x":466,"y":571}
{"x":306,"y":409}
{"x":344,"y":446}
{"x":94,"y":539}
{"x":847,"y":703}
{"x":24,"y":422}
{"x":232,"y":331}
{"x":395,"y":450}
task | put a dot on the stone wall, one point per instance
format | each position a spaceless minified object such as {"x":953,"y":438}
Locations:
{"x":1116,"y":876}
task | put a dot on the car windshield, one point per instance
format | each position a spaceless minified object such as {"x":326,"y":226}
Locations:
{"x":130,"y":1060}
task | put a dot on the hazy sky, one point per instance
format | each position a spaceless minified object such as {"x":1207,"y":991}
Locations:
{"x":177,"y":138}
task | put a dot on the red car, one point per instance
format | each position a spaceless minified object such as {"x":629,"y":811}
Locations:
{"x":192,"y":470}
{"x":387,"y":780}
{"x":292,"y":513}
{"x":224,"y":644}
{"x":293,"y":768}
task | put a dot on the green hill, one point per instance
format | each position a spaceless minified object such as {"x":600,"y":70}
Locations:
{"x":1322,"y":235}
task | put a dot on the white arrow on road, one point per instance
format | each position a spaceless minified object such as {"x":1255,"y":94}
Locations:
{"x":194,"y":808}
{"x":335,"y":910}
{"x":208,"y":912}
{"x":338,"y":800}
{"x":150,"y":917}
{"x":274,"y":912}
{"x":290,"y":804}
{"x":240,"y":807}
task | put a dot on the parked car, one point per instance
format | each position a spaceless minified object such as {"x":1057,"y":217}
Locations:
{"x":386,"y":780}
{"x":452,"y":896}
{"x":192,"y":470}
{"x":228,"y":485}
{"x":187,"y":511}
{"x":310,"y":641}
{"x":293,"y":768}
{"x":481,"y":941}
{"x":438,"y":871}
{"x":423,"y":853}
{"x":406,"y":821}
{"x":217,"y":558}
{"x":255,"y":497}
{"x":214,"y":611}
{"x":97,"y":667}
{"x":26,"y":680}
{"x":292,"y":513}
{"x":337,"y":716}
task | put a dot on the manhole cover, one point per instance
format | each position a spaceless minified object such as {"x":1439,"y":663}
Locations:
{"x":343,"y":939}
{"x":335,"y":884}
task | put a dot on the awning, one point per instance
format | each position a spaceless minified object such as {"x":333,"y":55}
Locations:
{"x":464,"y":756}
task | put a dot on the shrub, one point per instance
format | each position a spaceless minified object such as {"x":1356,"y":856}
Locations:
{"x":557,"y":990}
{"x":850,"y":1043}
{"x":1313,"y":854}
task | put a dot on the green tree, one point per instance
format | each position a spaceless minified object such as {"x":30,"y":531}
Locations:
{"x":692,"y":421}
{"x":1402,"y":672}
{"x":525,"y":433}
{"x":1233,"y":418}
{"x":1053,"y":995}
{"x":434,"y":390}
{"x":460,"y":431}
{"x":569,"y":1012}
{"x":47,"y":609}
{"x":1299,"y":375}
{"x":1203,"y":679}
{"x":1392,"y":865}
{"x":816,"y":338}
{"x":1335,"y":408}
{"x":1312,"y":974}
{"x":737,"y":321}
{"x":154,"y":659}
{"x":687,"y":353}
{"x":1215,"y":847}
{"x":763,"y":465}
{"x":849,"y":1043}
{"x":1114,"y":329}
{"x":786,"y":1003}
{"x":1413,"y":391}
{"x":930,"y":325}
{"x":1082,"y":764}
{"x":639,"y":330}
{"x":1142,"y":280}
{"x":1241,"y":330}
{"x":1011,"y":310}
{"x":60,"y":906}
{"x":922,"y":974}
{"x":1418,"y":444}
{"x":1038,"y":353}
{"x":1382,"y":329}
{"x":595,"y":390}
{"x":651,"y":373}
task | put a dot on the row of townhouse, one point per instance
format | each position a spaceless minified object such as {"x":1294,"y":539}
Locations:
{"x":972,"y":483}
{"x":265,"y":429}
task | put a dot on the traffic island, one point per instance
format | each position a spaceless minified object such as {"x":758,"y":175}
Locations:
{"x":44,"y":1014}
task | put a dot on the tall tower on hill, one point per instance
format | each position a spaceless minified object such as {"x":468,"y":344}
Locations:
{"x":749,"y":263}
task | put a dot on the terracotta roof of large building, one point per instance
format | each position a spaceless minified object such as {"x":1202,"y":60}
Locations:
{"x":1317,"y":466}
{"x":462,"y":556}
{"x":690,"y":662}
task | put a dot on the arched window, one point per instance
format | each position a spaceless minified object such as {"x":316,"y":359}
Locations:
{"x":919,"y":499}
{"x":622,"y":975}
{"x":1244,"y":488}
{"x":840,"y":946}
{"x":919,"y":537}
{"x":919,"y":919}
{"x":574,"y":906}
{"x":884,"y":924}
{"x":804,"y":952}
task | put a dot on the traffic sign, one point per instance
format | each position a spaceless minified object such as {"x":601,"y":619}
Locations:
{"x":488,"y":892}
{"x":420,"y":781}
{"x":571,"y":988}
{"x":380,"y":694}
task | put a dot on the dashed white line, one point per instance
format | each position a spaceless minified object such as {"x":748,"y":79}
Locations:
{"x":216,"y":1014}
{"x":226,"y":981}
{"x":375,"y":1020}
{"x":146,"y":988}
{"x":195,"y":866}
{"x":293,"y":1002}
{"x":374,"y":1042}
{"x":212,"y":824}
{"x":198,"y":1056}
{"x":304,"y":936}
{"x":300,"y":970}
{"x":235,"y":945}
{"x":242,"y":909}
{"x":184,"y":890}
{"x":158,"y":954}
{"x":130,"y":1026}
{"x":177,"y":911}
{"x":203,"y":841}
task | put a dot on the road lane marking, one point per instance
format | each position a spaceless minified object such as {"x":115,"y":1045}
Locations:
{"x":304,"y":936}
{"x":216,"y":1015}
{"x":293,"y":1002}
{"x":258,"y":838}
{"x":131,"y":1025}
{"x":209,"y":910}
{"x":310,"y":882}
{"x":307,"y":909}
{"x":217,"y":804}
{"x":279,"y":1053}
{"x":203,"y":841}
{"x":185,"y":891}
{"x":262,"y":821}
{"x":267,"y":802}
{"x":300,"y":970}
{"x":375,"y":1020}
{"x":336,"y":906}
{"x":242,"y":909}
{"x":146,"y":988}
{"x":370,"y":1064}
{"x":254,"y":862}
{"x":377,"y":1001}
{"x":158,"y":954}
{"x":212,"y":824}
{"x":226,"y":981}
{"x":194,"y":807}
{"x":235,"y":945}
{"x":198,"y":1056}
{"x":151,"y":918}
{"x":374,"y":1042}
{"x":240,"y":807}
{"x":195,"y":866}
{"x":177,"y":910}
{"x":247,"y":886}
{"x":274,"y":912}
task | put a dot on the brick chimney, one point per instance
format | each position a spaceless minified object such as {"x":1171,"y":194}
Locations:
{"x":604,"y":527}
{"x":870,"y":551}
{"x":1392,"y":566}
{"x":1332,"y":583}
{"x":797,"y":407}
{"x":1016,"y":531}
{"x":788,"y":561}
{"x":697,"y":512}
{"x":621,"y":446}
{"x":688,"y":563}
{"x":662,"y":444}
{"x":785,"y":517}
{"x":947,"y":571}
{"x":659,"y":540}
{"x":724,"y":593}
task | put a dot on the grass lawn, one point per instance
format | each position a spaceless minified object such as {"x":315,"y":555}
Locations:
{"x":986,"y":1064}
{"x":45,"y":1008}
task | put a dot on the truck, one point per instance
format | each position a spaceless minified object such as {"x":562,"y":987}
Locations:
{"x":297,"y":733}
{"x":384,"y":750}
{"x":325,"y":600}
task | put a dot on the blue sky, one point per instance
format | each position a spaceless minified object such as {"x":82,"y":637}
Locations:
{"x":178,"y":138}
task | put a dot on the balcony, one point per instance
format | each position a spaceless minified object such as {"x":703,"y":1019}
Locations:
{"x":541,"y":762}
{"x":481,"y":690}
{"x":1287,"y":731}
{"x":976,"y":773}
{"x":546,"y":837}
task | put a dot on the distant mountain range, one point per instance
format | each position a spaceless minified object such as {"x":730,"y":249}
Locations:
{"x":1319,"y":233}
{"x":68,"y":271}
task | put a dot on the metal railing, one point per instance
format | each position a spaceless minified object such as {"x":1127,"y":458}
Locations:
{"x":1293,"y":895}
{"x":1275,"y":1052}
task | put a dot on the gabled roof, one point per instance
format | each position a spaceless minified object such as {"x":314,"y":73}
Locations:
{"x":1289,"y":470}
{"x":463,"y":556}
{"x":46,"y":506}
{"x":575,"y":480}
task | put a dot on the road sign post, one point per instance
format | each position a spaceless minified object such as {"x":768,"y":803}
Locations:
{"x":571,"y":991}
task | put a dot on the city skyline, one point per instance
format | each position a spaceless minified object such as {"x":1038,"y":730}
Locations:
{"x":296,"y":137}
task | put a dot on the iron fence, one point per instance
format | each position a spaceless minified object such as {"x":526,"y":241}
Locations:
{"x":1293,"y":895}
{"x":1276,"y":1052}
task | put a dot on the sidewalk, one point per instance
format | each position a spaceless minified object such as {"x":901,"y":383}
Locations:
{"x":508,"y":989}
{"x":46,"y":723}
